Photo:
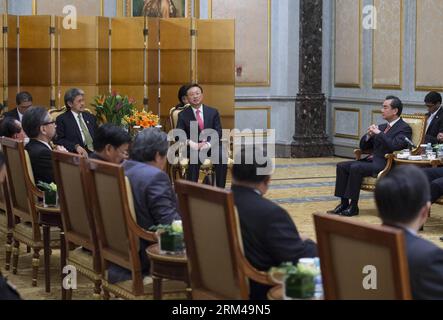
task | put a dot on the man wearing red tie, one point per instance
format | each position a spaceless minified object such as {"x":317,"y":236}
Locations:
{"x":205,"y":118}
{"x":379,"y":140}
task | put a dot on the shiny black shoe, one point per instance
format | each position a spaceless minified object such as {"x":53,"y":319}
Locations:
{"x":339,"y":209}
{"x":350,"y":212}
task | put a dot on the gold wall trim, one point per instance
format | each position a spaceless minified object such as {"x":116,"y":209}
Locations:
{"x":347,"y":136}
{"x":360,"y":64}
{"x":266,"y":83}
{"x":102,"y":7}
{"x":391,"y":86}
{"x":34,"y":7}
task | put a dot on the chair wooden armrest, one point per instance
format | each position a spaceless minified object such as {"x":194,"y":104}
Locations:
{"x":252,"y":273}
{"x":390,"y":161}
{"x":36,"y":191}
{"x":142,"y":233}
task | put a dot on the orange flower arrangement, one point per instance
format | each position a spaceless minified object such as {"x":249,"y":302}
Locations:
{"x":142,"y":119}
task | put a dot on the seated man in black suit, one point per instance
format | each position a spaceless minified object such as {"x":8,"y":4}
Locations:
{"x":40,"y":129}
{"x":270,"y":236}
{"x":12,"y":128}
{"x":202,"y":117}
{"x":76,"y":128}
{"x":7,"y":291}
{"x":402,"y":198}
{"x":383,"y":139}
{"x":24,"y":101}
{"x":111,"y":144}
{"x":434,"y":125}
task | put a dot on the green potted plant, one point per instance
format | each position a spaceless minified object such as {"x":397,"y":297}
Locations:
{"x":171,"y":239}
{"x":298,"y":281}
{"x":50,"y":198}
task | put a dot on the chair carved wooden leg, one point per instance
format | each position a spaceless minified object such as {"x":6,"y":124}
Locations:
{"x":35,"y":265}
{"x":97,"y":289}
{"x":15,"y":252}
{"x":8,"y":250}
{"x":105,"y":294}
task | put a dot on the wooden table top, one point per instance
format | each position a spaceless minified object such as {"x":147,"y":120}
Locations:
{"x":155,"y":254}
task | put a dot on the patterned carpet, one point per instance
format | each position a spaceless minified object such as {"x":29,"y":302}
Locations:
{"x":301,"y":186}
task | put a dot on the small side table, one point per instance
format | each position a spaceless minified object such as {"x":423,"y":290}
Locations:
{"x":164,"y":266}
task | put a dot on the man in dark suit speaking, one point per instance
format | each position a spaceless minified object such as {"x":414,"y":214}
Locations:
{"x":383,"y":139}
{"x":203,"y":117}
{"x":402,"y":199}
{"x":76,"y":128}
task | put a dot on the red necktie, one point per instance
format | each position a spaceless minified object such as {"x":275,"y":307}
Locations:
{"x":199,"y":120}
{"x":387,"y":128}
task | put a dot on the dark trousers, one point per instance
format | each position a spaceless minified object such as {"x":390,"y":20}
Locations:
{"x":221,"y":170}
{"x":435,"y":177}
{"x":350,"y":175}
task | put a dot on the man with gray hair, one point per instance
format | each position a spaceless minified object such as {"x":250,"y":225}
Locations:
{"x":154,"y":200}
{"x":76,"y":128}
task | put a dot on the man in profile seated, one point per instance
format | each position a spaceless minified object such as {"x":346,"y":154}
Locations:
{"x":402,"y":199}
{"x":24,"y":102}
{"x":40,"y":129}
{"x":12,"y":128}
{"x":154,"y":200}
{"x":111,"y":144}
{"x":383,"y":139}
{"x":270,"y":236}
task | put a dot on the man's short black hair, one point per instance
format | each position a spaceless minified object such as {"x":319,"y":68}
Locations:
{"x":247,"y":164}
{"x":433,"y":97}
{"x":193,"y":85}
{"x":110,"y":134}
{"x":33,"y":119}
{"x":23,"y":96}
{"x":9,"y":127}
{"x":396,"y":104}
{"x":401,"y":194}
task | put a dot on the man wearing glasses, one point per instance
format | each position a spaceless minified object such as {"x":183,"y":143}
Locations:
{"x":24,"y":102}
{"x":434,"y":125}
{"x":40,"y":129}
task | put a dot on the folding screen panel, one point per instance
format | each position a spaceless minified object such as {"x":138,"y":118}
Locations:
{"x":35,"y":58}
{"x":128,"y":74}
{"x":216,"y":66}
{"x":153,"y":61}
{"x":12,"y":65}
{"x":83,"y":57}
{"x":175,"y":60}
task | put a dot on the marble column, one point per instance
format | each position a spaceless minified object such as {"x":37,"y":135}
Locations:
{"x":310,"y":138}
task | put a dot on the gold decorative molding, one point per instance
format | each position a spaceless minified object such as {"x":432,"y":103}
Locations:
{"x":347,"y":136}
{"x":266,"y":83}
{"x":417,"y":87}
{"x":360,"y":65}
{"x":34,"y":7}
{"x":391,"y":86}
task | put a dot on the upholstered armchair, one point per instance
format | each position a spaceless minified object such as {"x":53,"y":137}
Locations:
{"x":23,"y":195}
{"x":346,"y":249}
{"x":217,"y":265}
{"x":119,"y":234}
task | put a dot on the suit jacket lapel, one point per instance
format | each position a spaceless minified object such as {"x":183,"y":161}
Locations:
{"x":206,"y":117}
{"x":74,"y":124}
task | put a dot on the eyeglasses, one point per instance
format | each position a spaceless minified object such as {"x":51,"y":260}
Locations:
{"x":46,"y":123}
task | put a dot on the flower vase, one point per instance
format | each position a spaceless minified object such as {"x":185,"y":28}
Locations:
{"x":50,"y":198}
{"x":299,"y":286}
{"x":171,"y":243}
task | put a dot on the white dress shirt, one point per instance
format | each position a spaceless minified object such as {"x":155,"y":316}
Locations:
{"x":20,"y":116}
{"x":75,"y":114}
